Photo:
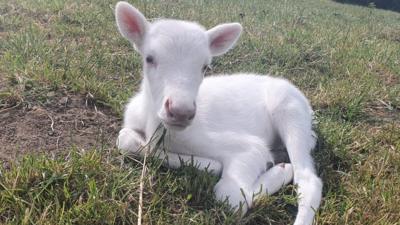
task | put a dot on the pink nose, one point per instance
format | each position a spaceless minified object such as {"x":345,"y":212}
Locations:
{"x":179,"y":113}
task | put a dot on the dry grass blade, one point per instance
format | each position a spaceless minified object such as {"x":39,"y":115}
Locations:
{"x":140,"y":208}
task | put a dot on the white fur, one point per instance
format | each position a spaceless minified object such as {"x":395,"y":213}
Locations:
{"x":239,"y":118}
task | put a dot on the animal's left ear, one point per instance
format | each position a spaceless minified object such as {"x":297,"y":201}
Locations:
{"x":222,"y":37}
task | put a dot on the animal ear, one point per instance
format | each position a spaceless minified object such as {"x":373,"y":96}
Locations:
{"x":221,"y":38}
{"x":131,"y":23}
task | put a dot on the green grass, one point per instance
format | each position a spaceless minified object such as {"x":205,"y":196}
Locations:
{"x":345,"y":58}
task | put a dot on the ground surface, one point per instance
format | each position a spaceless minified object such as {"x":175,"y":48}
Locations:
{"x":66,"y":73}
{"x":62,"y":122}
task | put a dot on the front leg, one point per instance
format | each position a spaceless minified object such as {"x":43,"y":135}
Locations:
{"x":130,"y":141}
{"x":132,"y":136}
{"x":175,"y":161}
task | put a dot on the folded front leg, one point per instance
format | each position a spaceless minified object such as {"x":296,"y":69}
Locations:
{"x":132,"y":136}
{"x":175,"y":161}
{"x":130,"y":142}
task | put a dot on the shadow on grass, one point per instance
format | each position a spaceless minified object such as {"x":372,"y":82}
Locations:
{"x":330,"y":165}
{"x":393,"y":5}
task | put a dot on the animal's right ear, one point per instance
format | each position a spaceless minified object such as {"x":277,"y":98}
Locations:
{"x":131,"y":23}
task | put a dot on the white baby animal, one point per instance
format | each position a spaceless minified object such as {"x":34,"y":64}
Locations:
{"x":228,"y":123}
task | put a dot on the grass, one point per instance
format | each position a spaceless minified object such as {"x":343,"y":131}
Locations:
{"x":345,"y":58}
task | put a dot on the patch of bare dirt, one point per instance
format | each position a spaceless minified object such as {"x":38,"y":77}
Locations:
{"x":64,"y":121}
{"x":386,"y":75}
{"x":382,"y":112}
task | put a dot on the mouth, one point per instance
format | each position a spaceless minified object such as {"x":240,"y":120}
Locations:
{"x":175,"y":125}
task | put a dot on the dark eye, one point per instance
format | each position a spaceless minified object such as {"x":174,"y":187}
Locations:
{"x":150,"y":59}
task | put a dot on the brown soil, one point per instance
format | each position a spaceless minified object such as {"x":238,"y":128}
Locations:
{"x":64,"y":121}
{"x":382,"y":112}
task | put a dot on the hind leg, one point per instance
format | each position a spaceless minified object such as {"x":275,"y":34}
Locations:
{"x":242,"y":180}
{"x":274,"y":179}
{"x":235,"y":186}
{"x":294,"y":123}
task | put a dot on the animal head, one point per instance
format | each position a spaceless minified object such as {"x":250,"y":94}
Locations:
{"x":175,"y":56}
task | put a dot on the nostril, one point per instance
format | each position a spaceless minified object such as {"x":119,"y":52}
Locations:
{"x":170,"y":114}
{"x":191,"y":117}
{"x":167,"y":104}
